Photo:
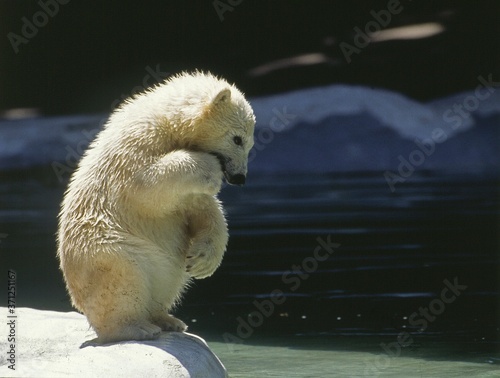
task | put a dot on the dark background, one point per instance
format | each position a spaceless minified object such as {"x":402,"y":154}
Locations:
{"x":90,"y":54}
{"x":397,"y":248}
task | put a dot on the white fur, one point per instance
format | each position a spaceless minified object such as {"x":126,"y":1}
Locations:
{"x":140,"y":217}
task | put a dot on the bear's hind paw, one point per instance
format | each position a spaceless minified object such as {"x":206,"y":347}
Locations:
{"x":170,"y":323}
{"x":138,"y":331}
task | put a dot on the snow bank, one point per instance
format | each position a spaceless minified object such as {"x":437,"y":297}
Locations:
{"x":326,"y":129}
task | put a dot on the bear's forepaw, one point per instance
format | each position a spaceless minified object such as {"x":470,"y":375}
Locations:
{"x":211,"y":173}
{"x":202,"y":259}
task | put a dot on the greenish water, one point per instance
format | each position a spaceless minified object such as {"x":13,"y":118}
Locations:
{"x":321,"y":356}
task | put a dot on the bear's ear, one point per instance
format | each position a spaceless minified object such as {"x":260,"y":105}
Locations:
{"x":222,"y":97}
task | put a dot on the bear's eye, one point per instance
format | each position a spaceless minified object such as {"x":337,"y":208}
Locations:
{"x":238,"y":141}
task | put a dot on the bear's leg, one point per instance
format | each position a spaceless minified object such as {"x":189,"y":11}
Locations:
{"x":168,"y":283}
{"x":208,"y":232}
{"x":116,"y":302}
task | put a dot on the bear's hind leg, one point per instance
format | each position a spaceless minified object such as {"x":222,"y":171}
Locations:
{"x":117,"y":303}
{"x":122,"y":324}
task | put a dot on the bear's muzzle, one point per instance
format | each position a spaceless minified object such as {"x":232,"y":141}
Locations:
{"x":236,"y":179}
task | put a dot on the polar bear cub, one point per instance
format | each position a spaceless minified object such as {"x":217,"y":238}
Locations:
{"x":140,"y":217}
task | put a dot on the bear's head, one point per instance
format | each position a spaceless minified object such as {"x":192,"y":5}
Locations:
{"x":232,"y":117}
{"x":223,"y":125}
{"x":208,"y":115}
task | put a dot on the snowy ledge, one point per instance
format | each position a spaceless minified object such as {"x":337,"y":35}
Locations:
{"x":328,"y":129}
{"x":49,"y":344}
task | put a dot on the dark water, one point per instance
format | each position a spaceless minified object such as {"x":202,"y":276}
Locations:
{"x":344,"y":257}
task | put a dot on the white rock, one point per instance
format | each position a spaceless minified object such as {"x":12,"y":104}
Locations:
{"x":56,"y":344}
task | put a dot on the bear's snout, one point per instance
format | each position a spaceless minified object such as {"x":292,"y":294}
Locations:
{"x":237,"y":179}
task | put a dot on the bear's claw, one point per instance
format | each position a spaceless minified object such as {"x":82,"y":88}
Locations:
{"x":199,"y":263}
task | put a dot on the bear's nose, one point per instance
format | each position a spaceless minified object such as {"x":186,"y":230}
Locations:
{"x":237,"y":179}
